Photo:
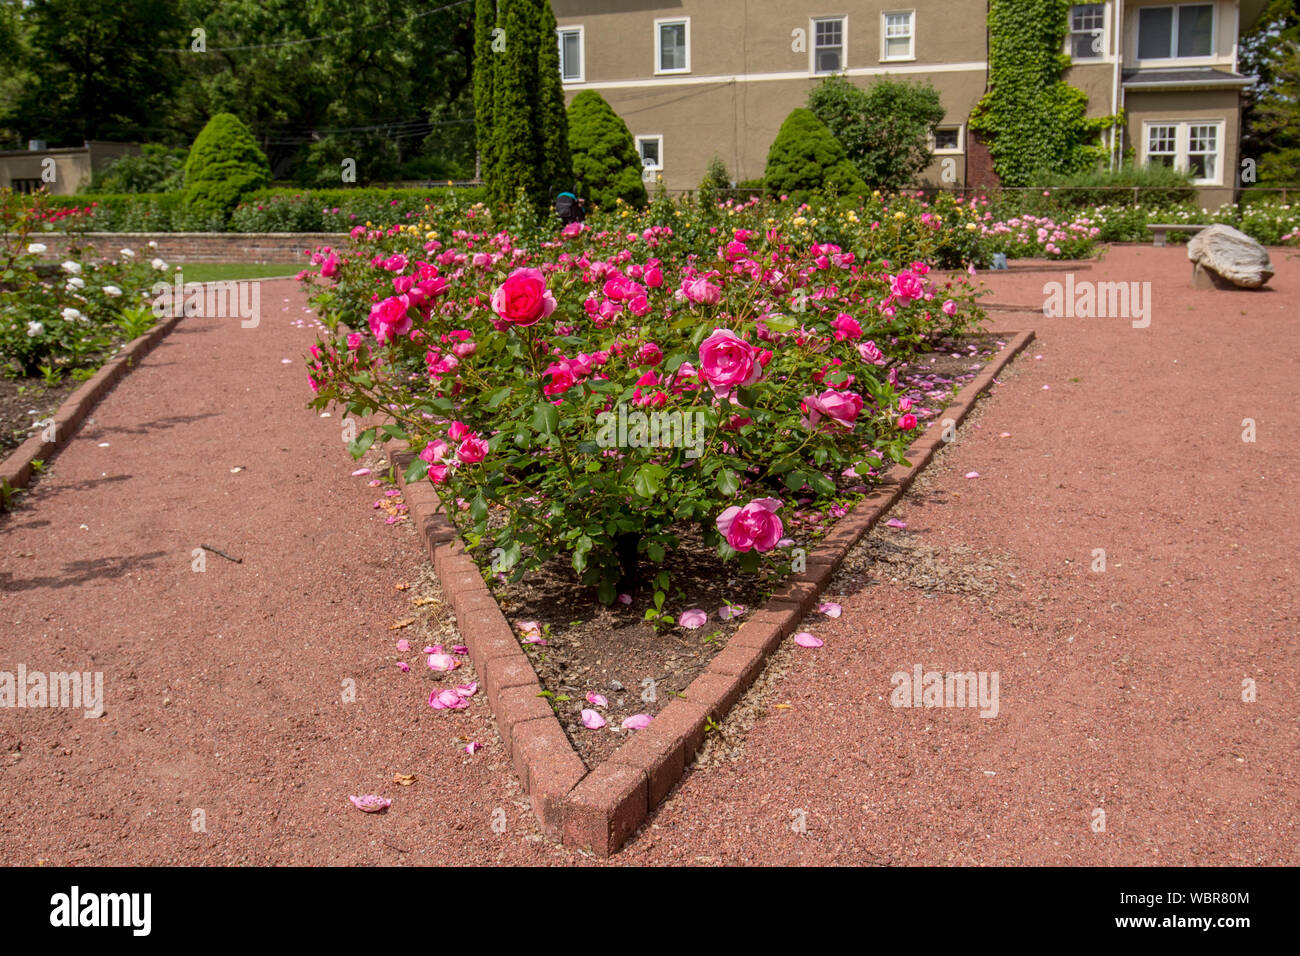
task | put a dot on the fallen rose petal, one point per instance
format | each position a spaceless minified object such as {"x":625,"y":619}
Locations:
{"x":804,"y":639}
{"x":404,"y":667}
{"x":592,"y":720}
{"x":692,"y":619}
{"x":597,"y":700}
{"x":360,"y":472}
{"x":729,"y":611}
{"x":895,"y":523}
{"x":830,"y":609}
{"x":467,"y":690}
{"x":473,"y":747}
{"x":432,"y":649}
{"x":371,"y":803}
{"x":459,"y":649}
{"x":972,"y":474}
{"x":637,"y":722}
{"x":403,"y":645}
{"x":1005,"y":435}
{"x":625,"y":599}
{"x":443,"y":662}
{"x":447,"y":700}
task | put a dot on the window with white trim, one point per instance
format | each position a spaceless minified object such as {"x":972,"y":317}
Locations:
{"x":898,"y":35}
{"x":673,"y":46}
{"x":1087,"y":31}
{"x":1176,"y":32}
{"x":651,"y":151}
{"x":572,"y":69}
{"x":828,"y":45}
{"x":1191,"y":147}
{"x":947,"y":139}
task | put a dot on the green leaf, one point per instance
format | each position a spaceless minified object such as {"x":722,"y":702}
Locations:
{"x":363,"y":441}
{"x":545,"y":418}
{"x":415,"y":471}
{"x":647,"y":480}
{"x":728,"y":482}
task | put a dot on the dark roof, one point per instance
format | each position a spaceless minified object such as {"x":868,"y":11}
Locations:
{"x":1204,"y":76}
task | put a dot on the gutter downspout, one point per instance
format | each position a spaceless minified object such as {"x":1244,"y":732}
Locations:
{"x":1117,"y":131}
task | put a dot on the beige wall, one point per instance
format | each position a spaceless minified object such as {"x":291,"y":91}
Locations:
{"x":72,"y":166}
{"x":1205,"y":105}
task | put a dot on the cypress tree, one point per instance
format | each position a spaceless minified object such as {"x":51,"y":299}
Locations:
{"x":605,"y":159}
{"x":557,"y":163}
{"x":514,"y":106}
{"x":485,"y":21}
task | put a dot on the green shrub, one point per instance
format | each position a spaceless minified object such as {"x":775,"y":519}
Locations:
{"x":224,"y":164}
{"x":805,"y":157}
{"x":884,"y":129}
{"x":1157,"y":185}
{"x":606,"y":164}
{"x":155,"y":169}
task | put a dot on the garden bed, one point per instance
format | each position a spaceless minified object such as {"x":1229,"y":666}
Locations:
{"x":640,"y":668}
{"x":23,"y":403}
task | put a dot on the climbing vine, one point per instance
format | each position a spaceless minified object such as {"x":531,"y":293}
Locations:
{"x":1034,"y":122}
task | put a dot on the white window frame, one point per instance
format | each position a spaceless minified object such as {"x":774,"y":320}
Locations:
{"x":812,"y":45}
{"x":911,"y":37}
{"x":659,"y":25}
{"x":961,"y":141}
{"x":647,"y":137}
{"x":1174,"y":58}
{"x":1182,"y":139}
{"x":582,"y":52}
{"x":1070,"y":32}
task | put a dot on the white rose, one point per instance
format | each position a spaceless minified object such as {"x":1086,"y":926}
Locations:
{"x":76,"y":283}
{"x":36,"y":247}
{"x":128,"y":253}
{"x":72,"y":268}
{"x":72,"y":315}
{"x":159,"y":265}
{"x":112,"y":290}
{"x":34,"y":329}
{"x":152,"y":244}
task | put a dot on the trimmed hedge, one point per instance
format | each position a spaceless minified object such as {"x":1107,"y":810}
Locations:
{"x":605,"y":160}
{"x":224,"y":165}
{"x":805,"y":158}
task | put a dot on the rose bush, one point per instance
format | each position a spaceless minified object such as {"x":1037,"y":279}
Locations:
{"x":62,"y":316}
{"x":602,"y":393}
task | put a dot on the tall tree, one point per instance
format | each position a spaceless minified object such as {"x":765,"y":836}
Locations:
{"x":96,"y":71}
{"x":485,"y":25}
{"x":1271,"y":113}
{"x":557,"y":163}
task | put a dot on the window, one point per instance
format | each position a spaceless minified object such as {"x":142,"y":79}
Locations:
{"x":1166,"y":33}
{"x":26,"y":186}
{"x":651,"y":149}
{"x":828,"y":45}
{"x":1087,"y":31}
{"x":571,"y":65}
{"x":672,"y":46}
{"x":1203,"y":152}
{"x":947,"y":139}
{"x":1190,"y":147}
{"x":1162,"y":146}
{"x":897,"y":35}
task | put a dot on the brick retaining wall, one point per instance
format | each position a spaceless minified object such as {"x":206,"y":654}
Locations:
{"x":180,"y":247}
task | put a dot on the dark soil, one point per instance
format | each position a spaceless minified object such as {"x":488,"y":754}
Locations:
{"x":23,"y":403}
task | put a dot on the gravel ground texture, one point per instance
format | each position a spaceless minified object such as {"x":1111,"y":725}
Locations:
{"x":1121,"y":735}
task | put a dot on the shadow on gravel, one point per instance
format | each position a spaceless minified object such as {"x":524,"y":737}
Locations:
{"x":81,"y":572}
{"x":158,"y":424}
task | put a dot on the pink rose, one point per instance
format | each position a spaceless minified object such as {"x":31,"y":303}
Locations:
{"x":702,"y":291}
{"x":561,"y":379}
{"x":871,"y":353}
{"x":434,"y":452}
{"x":842,"y":408}
{"x":907,"y":286}
{"x":950,"y":308}
{"x":472,"y":450}
{"x":437,"y":474}
{"x":523,"y":298}
{"x":907,"y":422}
{"x":330,"y":267}
{"x":754,"y":526}
{"x":846,"y":327}
{"x":458,"y":430}
{"x":649,"y":354}
{"x":727,"y":361}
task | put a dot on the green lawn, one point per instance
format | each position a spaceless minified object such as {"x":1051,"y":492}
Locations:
{"x":219,"y":271}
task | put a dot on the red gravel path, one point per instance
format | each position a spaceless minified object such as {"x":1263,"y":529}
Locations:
{"x":1119,"y":690}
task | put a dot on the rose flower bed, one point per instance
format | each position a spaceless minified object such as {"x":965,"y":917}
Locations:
{"x":604,"y":402}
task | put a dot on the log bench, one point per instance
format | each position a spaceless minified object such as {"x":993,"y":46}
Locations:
{"x":1159,"y":230}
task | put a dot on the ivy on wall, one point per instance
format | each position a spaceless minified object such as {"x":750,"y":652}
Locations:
{"x":1035,"y":124}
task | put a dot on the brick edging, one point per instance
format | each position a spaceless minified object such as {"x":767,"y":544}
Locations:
{"x":17,"y":468}
{"x":598,"y":810}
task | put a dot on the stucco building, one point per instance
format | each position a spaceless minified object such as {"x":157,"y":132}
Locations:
{"x":695,"y":79}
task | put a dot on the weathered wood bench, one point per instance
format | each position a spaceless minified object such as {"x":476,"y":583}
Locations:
{"x":1159,"y":230}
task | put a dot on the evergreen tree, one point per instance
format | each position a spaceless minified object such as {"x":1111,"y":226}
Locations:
{"x":224,"y":164}
{"x":606,"y":164}
{"x":805,"y":157}
{"x":557,"y":163}
{"x":485,"y":21}
{"x":517,"y":161}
